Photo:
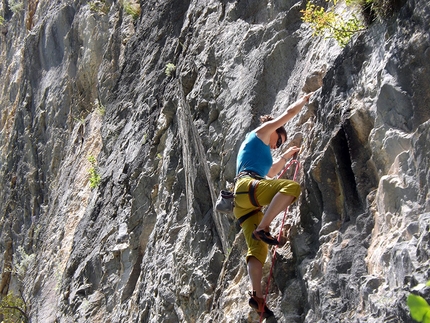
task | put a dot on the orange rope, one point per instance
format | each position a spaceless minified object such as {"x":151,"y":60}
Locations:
{"x":280,"y":228}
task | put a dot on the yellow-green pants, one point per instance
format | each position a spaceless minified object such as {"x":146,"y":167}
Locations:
{"x":264,"y":193}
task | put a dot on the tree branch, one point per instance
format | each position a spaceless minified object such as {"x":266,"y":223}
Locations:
{"x":18,"y":309}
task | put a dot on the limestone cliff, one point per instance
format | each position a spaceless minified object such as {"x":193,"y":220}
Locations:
{"x":83,"y":85}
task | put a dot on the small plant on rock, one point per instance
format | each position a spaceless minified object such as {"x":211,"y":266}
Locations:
{"x":131,"y":8}
{"x":99,"y":6}
{"x":331,"y":24}
{"x":170,"y":69}
{"x":100,"y":108}
{"x":95,"y":177}
{"x":420,"y":309}
{"x":22,"y":262}
{"x":16,"y":6}
{"x":13,"y":309}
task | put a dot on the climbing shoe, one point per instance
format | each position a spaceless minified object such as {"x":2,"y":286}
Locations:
{"x":265,"y":237}
{"x":259,"y":305}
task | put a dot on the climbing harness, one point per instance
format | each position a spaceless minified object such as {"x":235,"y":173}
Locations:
{"x":293,"y":161}
{"x":251,"y":192}
{"x":225,"y":200}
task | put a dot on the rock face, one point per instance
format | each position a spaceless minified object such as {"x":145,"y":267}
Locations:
{"x":86,"y":79}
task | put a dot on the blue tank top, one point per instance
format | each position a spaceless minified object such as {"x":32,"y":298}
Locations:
{"x":254,"y":156}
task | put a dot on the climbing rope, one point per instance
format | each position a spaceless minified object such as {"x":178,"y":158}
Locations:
{"x":296,"y":171}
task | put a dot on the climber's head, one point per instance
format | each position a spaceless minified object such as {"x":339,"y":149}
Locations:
{"x":282,"y":134}
{"x":278,"y":137}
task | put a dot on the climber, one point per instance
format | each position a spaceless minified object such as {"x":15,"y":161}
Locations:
{"x":254,"y":163}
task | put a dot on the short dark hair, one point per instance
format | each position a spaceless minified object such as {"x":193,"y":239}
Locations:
{"x":282,"y":131}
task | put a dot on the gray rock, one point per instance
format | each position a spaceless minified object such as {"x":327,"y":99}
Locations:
{"x":82,"y":79}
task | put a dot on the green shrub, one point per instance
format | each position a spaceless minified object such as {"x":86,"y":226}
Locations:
{"x":336,"y":25}
{"x":330,"y":24}
{"x":95,"y":177}
{"x":99,"y":6}
{"x":131,"y":8}
{"x":22,"y":261}
{"x":16,"y":6}
{"x":13,"y":309}
{"x":419,"y":308}
{"x":170,"y":69}
{"x":101,"y":109}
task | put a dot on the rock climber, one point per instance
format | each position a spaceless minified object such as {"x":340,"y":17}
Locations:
{"x":254,"y":168}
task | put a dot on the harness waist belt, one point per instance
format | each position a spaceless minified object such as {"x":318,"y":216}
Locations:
{"x":248,"y":173}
